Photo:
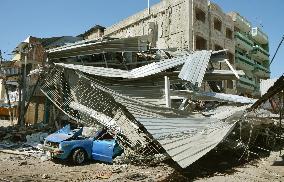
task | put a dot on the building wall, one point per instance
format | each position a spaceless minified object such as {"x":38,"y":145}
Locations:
{"x":168,"y":25}
{"x":177,"y":24}
{"x":173,"y":24}
{"x":246,"y":59}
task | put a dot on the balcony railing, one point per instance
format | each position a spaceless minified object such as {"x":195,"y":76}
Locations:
{"x":260,"y":49}
{"x":243,"y":38}
{"x":262,"y":68}
{"x":244,"y":62}
{"x":244,"y":59}
{"x":260,"y":53}
{"x":261,"y":71}
{"x":246,"y":83}
{"x":243,"y":42}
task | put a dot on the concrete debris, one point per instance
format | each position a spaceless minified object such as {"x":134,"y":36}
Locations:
{"x":45,"y":176}
{"x":36,"y":138}
{"x":23,"y":163}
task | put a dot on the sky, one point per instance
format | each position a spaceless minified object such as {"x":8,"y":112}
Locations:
{"x":48,"y":18}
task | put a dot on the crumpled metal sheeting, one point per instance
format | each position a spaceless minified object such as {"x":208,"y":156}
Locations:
{"x":89,"y":47}
{"x":100,"y":117}
{"x":140,"y":72}
{"x":194,"y":68}
{"x":137,"y":107}
{"x":92,"y":106}
{"x":187,"y":140}
{"x":221,"y":97}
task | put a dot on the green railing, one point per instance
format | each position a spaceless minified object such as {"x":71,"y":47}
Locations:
{"x":246,"y":81}
{"x":262,"y":68}
{"x":243,"y":38}
{"x":244,"y":59}
{"x":260,"y":49}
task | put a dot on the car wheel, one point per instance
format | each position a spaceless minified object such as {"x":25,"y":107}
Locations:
{"x":78,"y":156}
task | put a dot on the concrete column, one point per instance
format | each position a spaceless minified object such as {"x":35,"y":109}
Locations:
{"x":167,"y":92}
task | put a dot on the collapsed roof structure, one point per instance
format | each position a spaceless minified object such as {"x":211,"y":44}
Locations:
{"x":141,"y":95}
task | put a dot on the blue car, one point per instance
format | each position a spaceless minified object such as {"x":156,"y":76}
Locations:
{"x":70,"y":144}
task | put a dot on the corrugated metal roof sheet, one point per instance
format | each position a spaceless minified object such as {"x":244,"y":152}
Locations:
{"x":194,"y":69}
{"x":142,"y":71}
{"x":82,"y":48}
{"x":221,"y":97}
{"x":187,"y":139}
{"x":212,"y":96}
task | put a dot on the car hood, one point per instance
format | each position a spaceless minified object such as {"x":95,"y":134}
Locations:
{"x":64,"y":134}
{"x":58,"y":137}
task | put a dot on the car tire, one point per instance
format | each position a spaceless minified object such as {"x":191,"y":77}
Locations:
{"x":78,"y":156}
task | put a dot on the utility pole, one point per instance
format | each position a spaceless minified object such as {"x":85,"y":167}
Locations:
{"x":149,"y":7}
{"x":23,"y":102}
{"x":277,"y":50}
{"x":1,"y":57}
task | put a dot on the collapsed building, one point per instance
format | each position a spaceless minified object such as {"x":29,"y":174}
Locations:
{"x":143,"y":79}
{"x":146,"y":103}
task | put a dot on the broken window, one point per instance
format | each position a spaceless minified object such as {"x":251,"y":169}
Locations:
{"x":229,"y":33}
{"x":217,"y":24}
{"x":201,"y":43}
{"x":217,"y":47}
{"x":230,"y":84}
{"x":200,"y":15}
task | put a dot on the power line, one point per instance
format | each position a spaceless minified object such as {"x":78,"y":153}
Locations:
{"x":277,"y":50}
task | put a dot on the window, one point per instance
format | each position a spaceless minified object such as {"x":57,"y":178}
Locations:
{"x":200,"y":15}
{"x":217,"y":24}
{"x":217,"y":47}
{"x":231,"y":58}
{"x":201,"y":43}
{"x":229,"y":33}
{"x":230,"y":84}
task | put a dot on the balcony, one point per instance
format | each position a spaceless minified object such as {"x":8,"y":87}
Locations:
{"x":241,"y":23}
{"x":246,"y":84}
{"x":243,"y":42}
{"x":260,"y":53}
{"x":261,"y":71}
{"x":259,"y":36}
{"x":244,"y":62}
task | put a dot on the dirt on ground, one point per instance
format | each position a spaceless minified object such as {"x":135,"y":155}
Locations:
{"x":215,"y":166}
{"x":28,"y":168}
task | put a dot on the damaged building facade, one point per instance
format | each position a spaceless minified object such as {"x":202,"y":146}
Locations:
{"x":202,"y":25}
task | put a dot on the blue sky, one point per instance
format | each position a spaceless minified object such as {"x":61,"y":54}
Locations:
{"x":47,"y":18}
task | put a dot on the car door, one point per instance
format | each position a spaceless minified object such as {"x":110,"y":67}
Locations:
{"x":102,"y":150}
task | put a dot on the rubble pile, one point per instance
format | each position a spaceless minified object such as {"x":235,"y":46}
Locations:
{"x":19,"y":134}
